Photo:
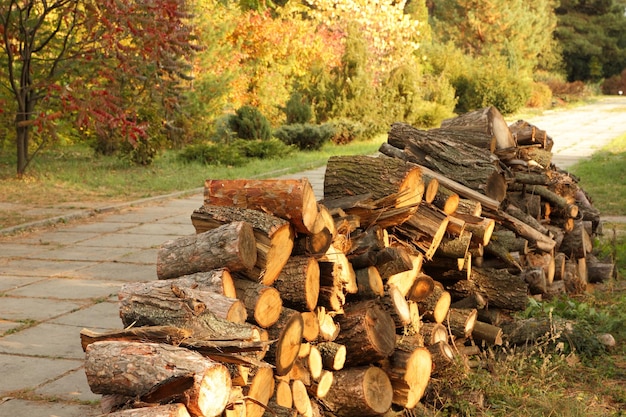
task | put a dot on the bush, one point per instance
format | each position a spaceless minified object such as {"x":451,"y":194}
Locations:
{"x":304,"y":136}
{"x":262,"y":149}
{"x":615,"y":84}
{"x":298,"y":109}
{"x":212,"y":154}
{"x":249,"y":123}
{"x":540,"y":96}
{"x":343,"y":131}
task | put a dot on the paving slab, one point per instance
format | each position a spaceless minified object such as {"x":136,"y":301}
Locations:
{"x":127,"y":240}
{"x":18,"y":250}
{"x":25,"y":372}
{"x":98,"y":225}
{"x":6,"y":325}
{"x":116,"y":271}
{"x":82,"y":252}
{"x":72,"y":387}
{"x":101,"y":316}
{"x":161,"y":228}
{"x":8,"y":282}
{"x":68,"y":289}
{"x":45,"y":340}
{"x":53,"y":237}
{"x":37,"y":309}
{"x":22,"y":408}
{"x":145,"y":256}
{"x":42,"y":268}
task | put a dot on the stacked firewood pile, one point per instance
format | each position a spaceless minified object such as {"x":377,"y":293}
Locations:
{"x":284,"y":305}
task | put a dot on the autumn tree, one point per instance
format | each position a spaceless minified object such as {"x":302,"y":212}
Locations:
{"x":61,"y":57}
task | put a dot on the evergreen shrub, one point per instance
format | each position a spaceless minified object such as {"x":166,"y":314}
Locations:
{"x":304,"y":136}
{"x":249,"y":123}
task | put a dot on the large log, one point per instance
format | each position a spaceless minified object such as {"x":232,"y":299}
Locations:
{"x":484,"y":128}
{"x":274,"y":237}
{"x":299,"y":283}
{"x":167,"y":410}
{"x":156,"y":303}
{"x":145,"y":370}
{"x":361,"y":391}
{"x":408,"y":369}
{"x":385,"y":177}
{"x":367,"y":331}
{"x":292,"y":200}
{"x":469,"y":165}
{"x":231,"y":246}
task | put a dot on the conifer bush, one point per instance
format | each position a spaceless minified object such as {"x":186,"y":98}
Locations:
{"x":249,"y":123}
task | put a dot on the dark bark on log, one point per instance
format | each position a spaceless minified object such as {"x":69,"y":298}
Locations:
{"x":263,"y":303}
{"x":167,"y":410}
{"x":461,"y":321}
{"x":487,"y":333}
{"x":576,"y":243}
{"x":527,"y":134}
{"x":219,"y":281}
{"x":487,"y":122}
{"x":499,"y":287}
{"x":231,"y":246}
{"x":367,"y":331}
{"x":144,"y":370}
{"x":274,"y":237}
{"x":299,"y":283}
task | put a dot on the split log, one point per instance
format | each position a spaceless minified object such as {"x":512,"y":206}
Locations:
{"x":218,"y":281}
{"x":397,"y":306}
{"x":367,"y":331}
{"x":409,"y":370}
{"x":343,"y":274}
{"x":386,"y":176}
{"x":525,"y":133}
{"x":329,"y":330}
{"x":487,"y":126}
{"x":263,"y":303}
{"x":258,"y":393}
{"x":299,"y":283}
{"x":311,"y":330}
{"x":274,"y":237}
{"x":156,"y":303}
{"x":363,"y":391}
{"x":545,"y":261}
{"x":538,"y":239}
{"x":397,"y":260}
{"x":301,"y":400}
{"x":144,"y":370}
{"x":154,"y":334}
{"x":469,"y":165}
{"x":231,"y":246}
{"x":425,"y":229}
{"x":455,"y":247}
{"x":559,"y":266}
{"x":404,"y":281}
{"x":287,"y":332}
{"x":167,"y":410}
{"x":500,"y":288}
{"x":292,"y":200}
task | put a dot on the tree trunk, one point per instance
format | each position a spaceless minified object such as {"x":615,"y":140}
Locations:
{"x":292,"y":200}
{"x":231,"y":246}
{"x":274,"y":237}
{"x":145,"y":370}
{"x":362,"y":391}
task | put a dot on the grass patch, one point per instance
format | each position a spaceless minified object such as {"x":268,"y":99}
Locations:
{"x":72,"y":177}
{"x":603,"y":176}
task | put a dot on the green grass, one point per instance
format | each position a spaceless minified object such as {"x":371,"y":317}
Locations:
{"x":603,"y":176}
{"x":73,"y":176}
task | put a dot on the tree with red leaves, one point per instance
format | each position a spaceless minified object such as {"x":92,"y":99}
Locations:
{"x":91,"y":62}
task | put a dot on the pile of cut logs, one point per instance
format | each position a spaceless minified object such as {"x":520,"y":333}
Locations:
{"x":284,"y":305}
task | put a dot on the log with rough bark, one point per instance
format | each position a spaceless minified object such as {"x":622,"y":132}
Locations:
{"x":292,"y":200}
{"x":369,"y":282}
{"x":469,"y":165}
{"x":314,"y":245}
{"x":155,"y":303}
{"x":263,"y":303}
{"x":155,"y":334}
{"x":500,"y":288}
{"x":423,"y":286}
{"x":485,"y":128}
{"x":487,"y":332}
{"x":525,"y":133}
{"x":145,"y":370}
{"x":231,"y":246}
{"x":363,"y":391}
{"x":446,"y":200}
{"x":599,"y":271}
{"x":274,"y":237}
{"x":432,"y":333}
{"x":287,"y":333}
{"x":385,"y":177}
{"x":576,"y":243}
{"x":409,"y":370}
{"x":435,"y":306}
{"x":536,"y":280}
{"x":219,"y":281}
{"x":442,"y":356}
{"x":166,"y":410}
{"x":367,"y":331}
{"x":299,"y":283}
{"x":461,"y":322}
{"x":534,"y":237}
{"x":333,"y":355}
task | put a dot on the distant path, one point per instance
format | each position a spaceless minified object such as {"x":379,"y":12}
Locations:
{"x":581,"y":131}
